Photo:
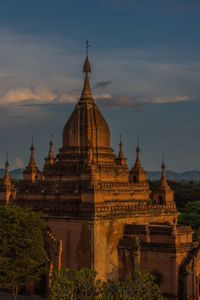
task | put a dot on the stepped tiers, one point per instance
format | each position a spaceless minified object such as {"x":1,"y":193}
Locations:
{"x":91,"y":200}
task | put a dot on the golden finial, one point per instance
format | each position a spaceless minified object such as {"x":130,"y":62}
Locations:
{"x":51,"y":158}
{"x":51,"y":139}
{"x":120,"y":145}
{"x":32,"y":147}
{"x":32,"y":159}
{"x":163,"y":161}
{"x":86,"y":92}
{"x":87,"y":46}
{"x":163,"y":176}
{"x":7,"y":181}
{"x":7,"y":163}
{"x":87,"y":67}
{"x":137,"y":161}
{"x":138,"y":147}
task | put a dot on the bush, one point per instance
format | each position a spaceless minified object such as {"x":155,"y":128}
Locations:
{"x":82,"y":284}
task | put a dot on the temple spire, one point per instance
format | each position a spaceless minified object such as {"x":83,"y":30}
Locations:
{"x":87,"y":46}
{"x":121,"y":159}
{"x":137,"y":173}
{"x":32,"y":162}
{"x":163,"y":181}
{"x":32,"y":172}
{"x":7,"y":181}
{"x":51,"y":158}
{"x":137,"y":161}
{"x":120,"y":155}
{"x":163,"y":194}
{"x":86,"y":92}
{"x":7,"y":191}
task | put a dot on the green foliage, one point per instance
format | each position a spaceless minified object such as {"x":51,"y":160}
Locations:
{"x":62,"y":286}
{"x":86,"y":285}
{"x":145,"y":287}
{"x":110,"y":290}
{"x":82,"y":284}
{"x":22,"y":247}
{"x":190,"y":215}
{"x":74,"y":284}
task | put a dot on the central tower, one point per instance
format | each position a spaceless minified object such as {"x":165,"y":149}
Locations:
{"x":87,"y":192}
{"x":86,"y":126}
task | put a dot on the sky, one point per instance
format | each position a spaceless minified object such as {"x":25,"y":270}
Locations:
{"x":145,"y":59}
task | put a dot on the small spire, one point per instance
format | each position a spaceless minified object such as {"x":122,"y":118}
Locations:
{"x":86,"y":66}
{"x":7,"y":181}
{"x":137,"y":161}
{"x":163,"y":181}
{"x":86,"y":92}
{"x":121,"y":159}
{"x":87,"y":46}
{"x":51,"y":139}
{"x":120,"y":155}
{"x":163,"y":161}
{"x":32,"y":162}
{"x":32,"y":147}
{"x":138,"y":147}
{"x":50,"y":156}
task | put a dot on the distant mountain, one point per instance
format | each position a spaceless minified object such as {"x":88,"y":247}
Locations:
{"x":151,"y":175}
{"x":16,"y":174}
{"x":188,"y":175}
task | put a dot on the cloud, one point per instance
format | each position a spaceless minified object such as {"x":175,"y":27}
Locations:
{"x":7,"y":77}
{"x":121,"y":101}
{"x":67,"y":98}
{"x":34,"y":73}
{"x":19,"y":163}
{"x":38,"y":95}
{"x":102,"y":84}
{"x":172,"y":99}
{"x":102,"y":96}
{"x":155,"y":6}
{"x":138,"y":102}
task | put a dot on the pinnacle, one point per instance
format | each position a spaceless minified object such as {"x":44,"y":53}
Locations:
{"x":86,"y":92}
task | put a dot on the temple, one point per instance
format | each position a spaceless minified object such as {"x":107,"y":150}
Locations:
{"x":105,"y":216}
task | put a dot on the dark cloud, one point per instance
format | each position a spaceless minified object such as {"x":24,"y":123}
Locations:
{"x":155,"y":6}
{"x":7,"y":77}
{"x":122,"y":101}
{"x":102,"y":84}
{"x":51,"y":107}
{"x":118,"y":101}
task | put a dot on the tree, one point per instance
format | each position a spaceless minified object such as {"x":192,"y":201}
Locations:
{"x":74,"y":284}
{"x":142,"y":287}
{"x":190,"y":215}
{"x":86,"y":285}
{"x":111,"y":289}
{"x":22,"y":247}
{"x":145,"y":287}
{"x":62,"y":287}
{"x":82,"y":284}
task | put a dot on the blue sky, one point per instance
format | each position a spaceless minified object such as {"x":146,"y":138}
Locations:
{"x":145,"y":58}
